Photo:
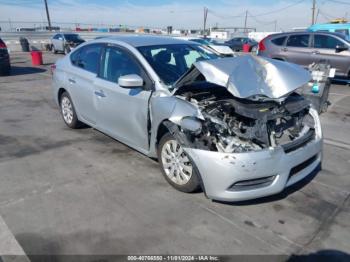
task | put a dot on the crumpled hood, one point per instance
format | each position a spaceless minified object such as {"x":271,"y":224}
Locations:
{"x":222,"y":49}
{"x":246,"y":76}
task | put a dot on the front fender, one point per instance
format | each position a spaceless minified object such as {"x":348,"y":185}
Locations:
{"x":170,"y":108}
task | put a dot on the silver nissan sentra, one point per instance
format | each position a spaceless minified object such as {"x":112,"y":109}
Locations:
{"x":235,"y":127}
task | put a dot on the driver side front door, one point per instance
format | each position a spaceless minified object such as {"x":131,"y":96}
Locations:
{"x":122,"y":113}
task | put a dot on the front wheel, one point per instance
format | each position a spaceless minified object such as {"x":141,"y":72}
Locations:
{"x":176,"y":166}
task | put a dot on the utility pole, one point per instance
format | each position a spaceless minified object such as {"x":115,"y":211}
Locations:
{"x":205,"y":20}
{"x":275,"y":25}
{"x":245,"y":21}
{"x":48,"y":15}
{"x":10,"y":24}
{"x":313,"y":12}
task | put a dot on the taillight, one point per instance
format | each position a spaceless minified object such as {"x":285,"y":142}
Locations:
{"x":2,"y":45}
{"x":53,"y":68}
{"x":261,"y":46}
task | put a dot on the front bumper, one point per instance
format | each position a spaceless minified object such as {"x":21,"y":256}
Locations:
{"x":261,"y":173}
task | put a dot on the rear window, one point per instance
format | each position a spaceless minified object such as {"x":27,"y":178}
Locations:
{"x":298,"y":41}
{"x":279,"y":41}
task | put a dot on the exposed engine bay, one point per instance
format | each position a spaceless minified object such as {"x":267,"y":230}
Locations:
{"x":236,"y":125}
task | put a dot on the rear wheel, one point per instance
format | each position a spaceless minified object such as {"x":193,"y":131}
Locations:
{"x":6,"y":71}
{"x":176,"y":166}
{"x":68,"y":112}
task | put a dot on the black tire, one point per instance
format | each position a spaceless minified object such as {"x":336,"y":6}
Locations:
{"x":74,"y":123}
{"x":193,"y":184}
{"x":6,"y":71}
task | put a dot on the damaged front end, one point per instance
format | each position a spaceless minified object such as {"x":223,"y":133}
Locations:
{"x":247,"y":132}
{"x":232,"y":124}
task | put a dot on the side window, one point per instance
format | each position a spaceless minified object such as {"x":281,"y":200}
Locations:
{"x":343,"y":31}
{"x":117,"y":63}
{"x":279,"y":41}
{"x":325,"y":41}
{"x":55,"y":36}
{"x":87,"y":57}
{"x":298,"y":41}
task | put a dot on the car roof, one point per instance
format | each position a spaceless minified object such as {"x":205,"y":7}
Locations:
{"x":329,"y":26}
{"x":186,"y":37}
{"x":306,"y":32}
{"x":143,"y":40}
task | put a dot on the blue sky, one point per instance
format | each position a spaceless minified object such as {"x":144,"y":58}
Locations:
{"x":180,"y":13}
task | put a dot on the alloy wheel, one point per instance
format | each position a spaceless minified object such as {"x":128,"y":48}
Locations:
{"x":176,"y":164}
{"x":67,"y":110}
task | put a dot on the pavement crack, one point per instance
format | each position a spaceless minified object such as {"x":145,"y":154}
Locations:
{"x":325,"y":224}
{"x":239,"y":227}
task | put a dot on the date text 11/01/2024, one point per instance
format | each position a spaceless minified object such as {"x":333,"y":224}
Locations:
{"x":174,"y":258}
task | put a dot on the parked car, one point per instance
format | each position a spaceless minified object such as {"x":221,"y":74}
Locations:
{"x":5,"y":65}
{"x":216,"y":124}
{"x":65,"y":42}
{"x":222,"y":49}
{"x":237,"y":43}
{"x":305,"y":48}
{"x":342,"y":28}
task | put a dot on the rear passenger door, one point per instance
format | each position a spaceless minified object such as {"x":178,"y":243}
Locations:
{"x":298,"y":50}
{"x":80,"y":80}
{"x":324,"y":48}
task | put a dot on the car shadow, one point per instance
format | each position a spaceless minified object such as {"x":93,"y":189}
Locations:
{"x":103,"y":246}
{"x":341,"y":81}
{"x":285,"y":193}
{"x":25,"y":70}
{"x":326,"y":255}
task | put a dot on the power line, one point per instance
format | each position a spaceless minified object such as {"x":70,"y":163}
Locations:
{"x":339,"y":2}
{"x":261,"y":22}
{"x":280,"y":9}
{"x":225,"y":16}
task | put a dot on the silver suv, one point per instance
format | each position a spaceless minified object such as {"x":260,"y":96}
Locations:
{"x":304,"y":48}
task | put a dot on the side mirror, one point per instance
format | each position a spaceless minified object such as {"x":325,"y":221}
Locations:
{"x":130,"y":81}
{"x":339,"y":48}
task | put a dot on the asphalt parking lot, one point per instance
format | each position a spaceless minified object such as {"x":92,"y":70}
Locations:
{"x":68,"y":191}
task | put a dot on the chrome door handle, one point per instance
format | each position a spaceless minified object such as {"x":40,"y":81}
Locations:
{"x":72,"y":81}
{"x":100,"y":93}
{"x":285,"y":49}
{"x":315,"y":52}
